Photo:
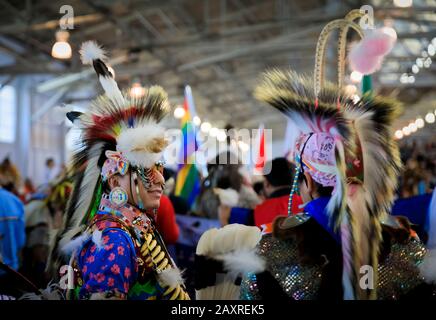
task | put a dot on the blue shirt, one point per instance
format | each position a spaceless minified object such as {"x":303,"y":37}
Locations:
{"x":112,"y":267}
{"x":317,"y":209}
{"x":12,"y":228}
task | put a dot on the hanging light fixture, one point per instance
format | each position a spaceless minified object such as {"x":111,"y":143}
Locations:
{"x":419,"y":123}
{"x":413,"y":127}
{"x":137,"y":90}
{"x":430,"y":117}
{"x":356,"y":76}
{"x":213,"y":132}
{"x":196,"y":120}
{"x":61,"y":49}
{"x":350,"y":89}
{"x":399,"y":134}
{"x":221,"y":136}
{"x":205,"y":127}
{"x":179,"y":112}
{"x":403,"y":3}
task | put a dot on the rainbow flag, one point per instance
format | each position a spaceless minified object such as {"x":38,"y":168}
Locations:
{"x":188,"y":178}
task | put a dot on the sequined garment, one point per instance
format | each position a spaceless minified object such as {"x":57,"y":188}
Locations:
{"x":398,"y":273}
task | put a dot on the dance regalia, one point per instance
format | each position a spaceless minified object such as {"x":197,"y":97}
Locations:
{"x":118,"y":266}
{"x":305,"y":262}
{"x":345,"y":246}
{"x":111,"y":247}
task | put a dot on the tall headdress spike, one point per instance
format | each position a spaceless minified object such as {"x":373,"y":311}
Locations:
{"x":92,"y":53}
{"x":343,"y":25}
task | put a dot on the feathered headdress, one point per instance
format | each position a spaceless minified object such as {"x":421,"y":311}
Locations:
{"x":366,"y":158}
{"x":118,"y":130}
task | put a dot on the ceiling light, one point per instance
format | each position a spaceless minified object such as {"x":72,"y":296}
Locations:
{"x":205,"y":127}
{"x":179,"y":112}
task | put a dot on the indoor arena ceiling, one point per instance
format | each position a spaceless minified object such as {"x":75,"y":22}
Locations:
{"x":217,"y":47}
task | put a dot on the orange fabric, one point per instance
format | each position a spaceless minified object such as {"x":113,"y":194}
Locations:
{"x":268,"y":210}
{"x":166,"y":221}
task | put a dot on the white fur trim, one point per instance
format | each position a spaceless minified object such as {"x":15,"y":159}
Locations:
{"x":228,"y":197}
{"x":232,"y":237}
{"x":69,"y":247}
{"x":171,"y":277}
{"x":134,"y":143}
{"x":90,"y":51}
{"x":97,"y":239}
{"x":243,"y":261}
{"x":52,"y":292}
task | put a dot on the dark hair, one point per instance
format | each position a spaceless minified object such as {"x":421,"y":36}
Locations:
{"x":320,"y":189}
{"x":49,"y":160}
{"x":258,"y":187}
{"x":281,"y":174}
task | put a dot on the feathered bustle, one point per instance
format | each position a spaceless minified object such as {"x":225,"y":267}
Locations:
{"x":233,"y":246}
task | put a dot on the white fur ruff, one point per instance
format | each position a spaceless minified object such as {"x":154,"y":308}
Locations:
{"x":232,"y":237}
{"x":242,"y":261}
{"x":171,"y":277}
{"x":228,"y":197}
{"x":67,"y":248}
{"x":52,"y":292}
{"x":90,"y":51}
{"x":97,"y":239}
{"x":135,"y":144}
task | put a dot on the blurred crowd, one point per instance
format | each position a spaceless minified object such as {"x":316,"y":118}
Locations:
{"x":29,"y":214}
{"x":419,"y":174}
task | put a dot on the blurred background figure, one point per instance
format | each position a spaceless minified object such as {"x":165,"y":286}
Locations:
{"x":225,"y":174}
{"x":51,"y":171}
{"x":11,"y":178}
{"x":28,"y":190}
{"x":12,"y":227}
{"x":276,"y":188}
{"x":44,"y":214}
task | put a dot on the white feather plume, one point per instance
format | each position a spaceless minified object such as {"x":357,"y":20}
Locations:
{"x":111,"y":89}
{"x":97,"y":239}
{"x":240,"y":262}
{"x":90,"y":51}
{"x":52,"y":292}
{"x":135,"y":144}
{"x":67,"y":248}
{"x":171,"y":277}
{"x":228,"y":197}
